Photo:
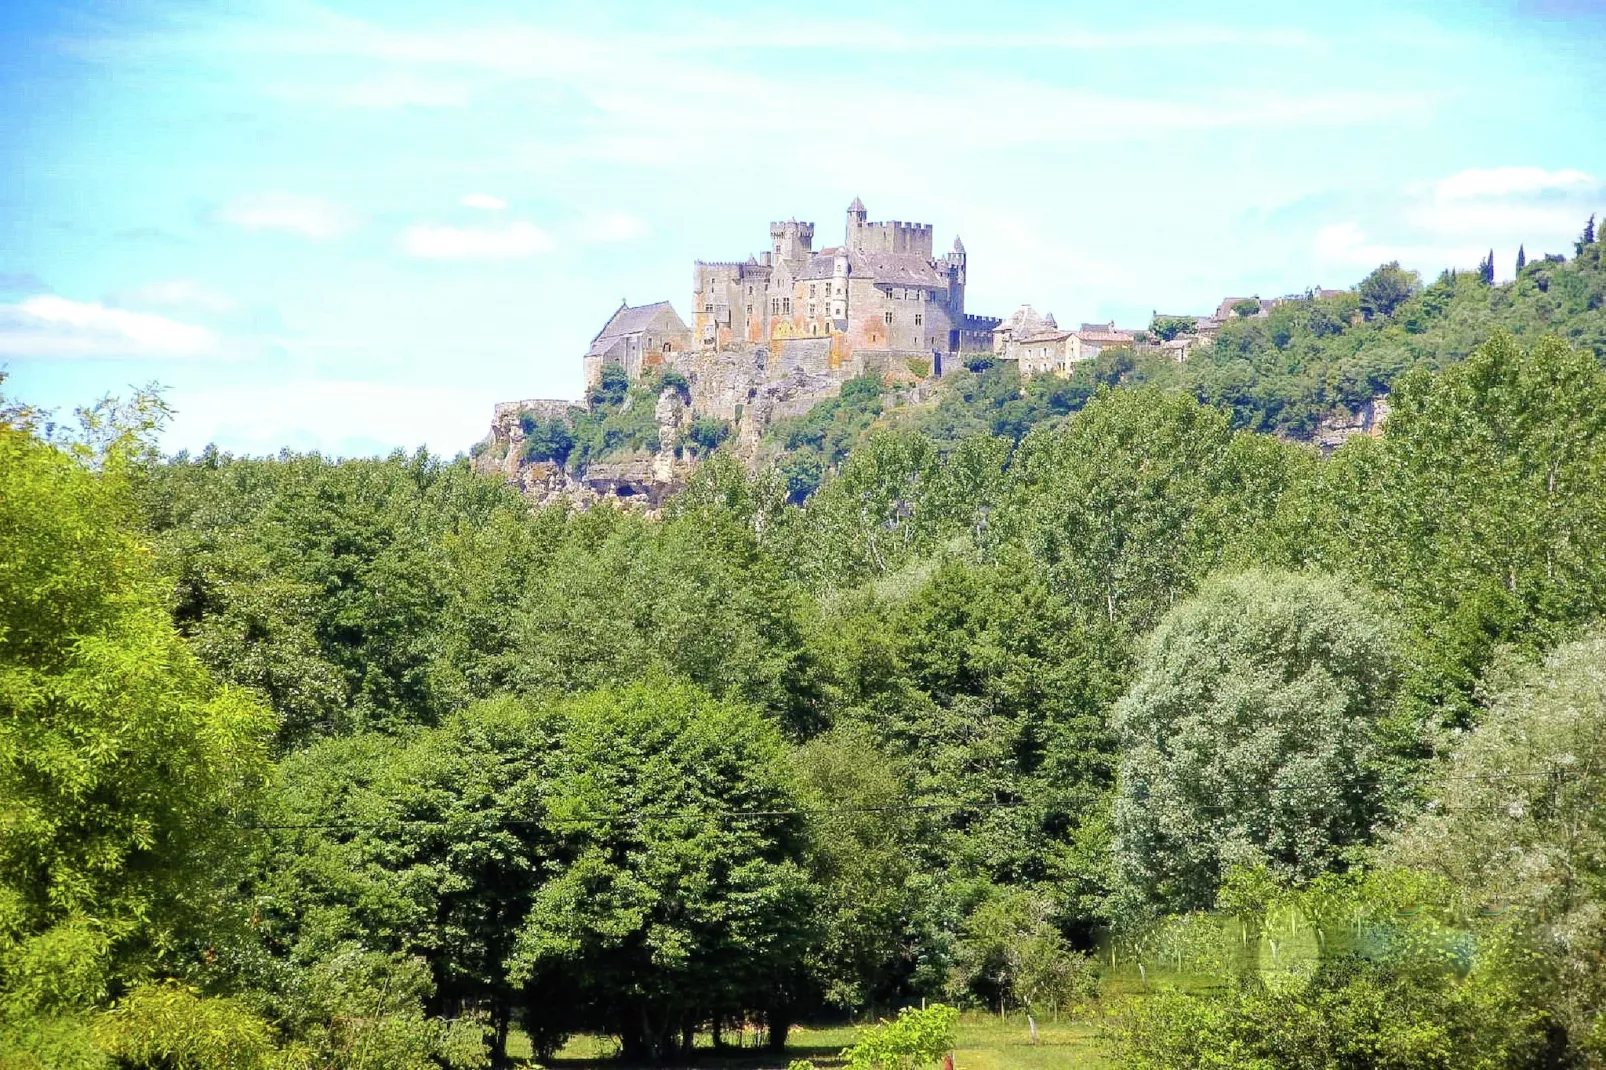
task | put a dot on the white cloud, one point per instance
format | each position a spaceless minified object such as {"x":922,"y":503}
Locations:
{"x":402,"y":92}
{"x":1348,"y":245}
{"x":51,"y":326}
{"x":1505,"y":181}
{"x":612,"y":227}
{"x":1456,"y":221}
{"x":484,"y":201}
{"x":343,"y":417}
{"x":183,"y":293}
{"x":312,"y":216}
{"x":509,"y":242}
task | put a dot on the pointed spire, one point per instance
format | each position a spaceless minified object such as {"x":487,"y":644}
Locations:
{"x":857,"y":207}
{"x":959,"y":246}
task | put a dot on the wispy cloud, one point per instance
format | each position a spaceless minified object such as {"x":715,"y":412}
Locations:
{"x":312,"y":216}
{"x":47,"y":326}
{"x":484,"y":201}
{"x":612,"y":227}
{"x":1456,"y":220}
{"x":510,"y":242}
{"x":1506,"y":181}
{"x":181,"y":293}
{"x":338,"y":416}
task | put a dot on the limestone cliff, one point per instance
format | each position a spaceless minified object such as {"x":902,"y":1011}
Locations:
{"x":638,"y":481}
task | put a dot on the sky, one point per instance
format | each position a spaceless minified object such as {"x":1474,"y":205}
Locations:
{"x":354,"y":227}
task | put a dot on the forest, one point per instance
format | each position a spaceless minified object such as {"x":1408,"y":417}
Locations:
{"x":1086,"y":698}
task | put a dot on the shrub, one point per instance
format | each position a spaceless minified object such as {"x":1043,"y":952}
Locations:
{"x":916,"y":1038}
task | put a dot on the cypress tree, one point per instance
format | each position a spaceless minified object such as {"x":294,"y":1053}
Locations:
{"x":1589,"y":230}
{"x":1522,"y":259}
{"x":1486,"y":269}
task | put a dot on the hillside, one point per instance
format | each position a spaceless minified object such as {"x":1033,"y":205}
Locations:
{"x":1304,"y":367}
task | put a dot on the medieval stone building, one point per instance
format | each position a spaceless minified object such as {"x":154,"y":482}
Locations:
{"x":881,"y":300}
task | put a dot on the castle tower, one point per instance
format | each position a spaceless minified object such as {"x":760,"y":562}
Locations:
{"x":853,"y":240}
{"x":791,"y":240}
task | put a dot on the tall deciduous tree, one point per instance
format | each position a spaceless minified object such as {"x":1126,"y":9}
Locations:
{"x":1386,"y":289}
{"x":677,"y":891}
{"x":1517,"y":823}
{"x":120,"y":760}
{"x":1251,"y":736}
{"x":1479,"y":511}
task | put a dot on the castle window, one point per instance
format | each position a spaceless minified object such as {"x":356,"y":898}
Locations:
{"x":811,"y":289}
{"x":786,"y":305}
{"x":917,"y":319}
{"x":775,"y":306}
{"x":889,"y":319}
{"x":811,"y":312}
{"x":666,"y":347}
{"x":708,"y":308}
{"x":749,"y":307}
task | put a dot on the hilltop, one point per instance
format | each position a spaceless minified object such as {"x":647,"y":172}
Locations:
{"x":1314,"y":367}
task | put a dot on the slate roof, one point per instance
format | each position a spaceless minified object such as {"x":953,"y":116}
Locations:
{"x":903,"y":269}
{"x":628,"y":320}
{"x":1027,"y":320}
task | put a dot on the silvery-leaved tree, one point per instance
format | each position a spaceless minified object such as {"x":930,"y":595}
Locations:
{"x":1253,"y":735}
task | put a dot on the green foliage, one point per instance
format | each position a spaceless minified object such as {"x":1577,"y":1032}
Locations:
{"x":1133,"y":502}
{"x":1011,"y":952}
{"x":612,"y":385}
{"x":176,"y":1028}
{"x":707,"y":432}
{"x":1251,"y":736}
{"x":915,"y":1039}
{"x":676,"y":886}
{"x":1248,"y":306}
{"x":120,"y":761}
{"x":830,"y":429}
{"x":862,"y":865}
{"x":1517,"y":827}
{"x":347,"y":594}
{"x":546,"y":440}
{"x":1386,"y":289}
{"x":1165,"y":328}
{"x":1477,"y":512}
{"x":432,"y":853}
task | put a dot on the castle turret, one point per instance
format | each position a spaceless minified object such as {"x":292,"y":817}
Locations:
{"x":854,"y":238}
{"x":792,"y":240}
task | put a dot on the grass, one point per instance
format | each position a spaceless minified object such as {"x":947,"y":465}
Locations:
{"x":986,"y":1042}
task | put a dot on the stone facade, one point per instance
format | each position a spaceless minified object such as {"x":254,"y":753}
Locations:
{"x":1042,"y":347}
{"x":882,"y":300}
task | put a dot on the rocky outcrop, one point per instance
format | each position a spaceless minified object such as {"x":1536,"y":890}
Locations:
{"x":1333,"y":431}
{"x":635,"y":482}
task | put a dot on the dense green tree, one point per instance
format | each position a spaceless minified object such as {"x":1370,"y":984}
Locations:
{"x":1522,"y":259}
{"x":1477,"y":511}
{"x":1131,"y":503}
{"x":1252,"y":735}
{"x":678,"y":890}
{"x":121,"y":761}
{"x":1516,"y":823}
{"x":428,"y":848}
{"x":1386,"y":289}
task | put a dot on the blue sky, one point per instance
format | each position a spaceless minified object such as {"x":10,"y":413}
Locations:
{"x":356,"y":226}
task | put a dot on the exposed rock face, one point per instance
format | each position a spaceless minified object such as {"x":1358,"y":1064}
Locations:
{"x":637,"y":482}
{"x":1333,"y":432}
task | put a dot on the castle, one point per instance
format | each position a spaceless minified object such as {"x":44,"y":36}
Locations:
{"x":881,"y":301}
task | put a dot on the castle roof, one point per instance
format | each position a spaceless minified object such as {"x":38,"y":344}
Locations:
{"x":856,"y":206}
{"x":1027,"y":320}
{"x":627,"y":320}
{"x":897,"y":268}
